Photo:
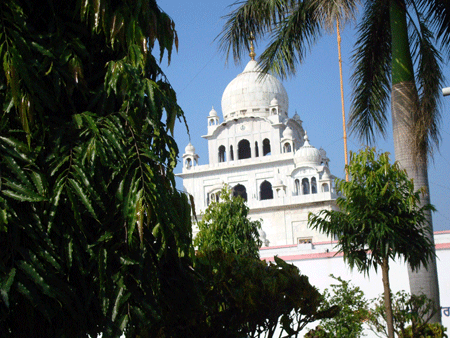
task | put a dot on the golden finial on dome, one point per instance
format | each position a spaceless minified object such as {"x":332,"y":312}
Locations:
{"x":252,"y":48}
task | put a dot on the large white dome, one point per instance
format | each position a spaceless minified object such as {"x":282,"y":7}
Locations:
{"x":250,"y":95}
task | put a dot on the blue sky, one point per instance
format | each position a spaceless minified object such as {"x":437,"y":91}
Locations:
{"x":199,"y":74}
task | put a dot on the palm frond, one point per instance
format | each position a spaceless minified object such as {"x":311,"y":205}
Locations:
{"x":252,"y":17}
{"x":429,"y":79}
{"x":438,"y":15}
{"x":371,"y":79}
{"x":330,"y":11}
{"x":291,"y":40}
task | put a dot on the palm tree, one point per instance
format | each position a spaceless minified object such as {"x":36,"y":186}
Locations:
{"x":395,"y":47}
{"x":390,"y":60}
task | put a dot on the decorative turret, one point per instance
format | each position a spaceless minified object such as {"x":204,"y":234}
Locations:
{"x":213,"y":120}
{"x":279,"y":187}
{"x":287,"y":140}
{"x":326,"y":180}
{"x":324,"y":159}
{"x":274,"y":107}
{"x":296,"y":117}
{"x":190,"y":158}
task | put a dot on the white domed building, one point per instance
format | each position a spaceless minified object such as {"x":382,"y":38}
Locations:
{"x":265,"y":156}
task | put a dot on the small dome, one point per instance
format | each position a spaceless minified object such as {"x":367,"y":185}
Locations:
{"x":252,"y":93}
{"x":189,"y":149}
{"x":274,"y":102}
{"x":278,"y":182}
{"x":288,"y":133}
{"x":326,"y":175}
{"x":296,"y":117}
{"x":307,"y":154}
{"x":213,"y":113}
{"x":324,"y":159}
{"x":323,"y":153}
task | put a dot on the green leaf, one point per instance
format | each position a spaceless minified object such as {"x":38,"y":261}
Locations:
{"x":6,"y":286}
{"x":84,"y":198}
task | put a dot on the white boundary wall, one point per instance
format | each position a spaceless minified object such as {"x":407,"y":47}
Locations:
{"x":319,"y":260}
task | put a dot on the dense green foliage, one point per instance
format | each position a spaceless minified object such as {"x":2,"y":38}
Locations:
{"x":411,"y":313}
{"x":243,"y":296}
{"x":247,"y":297}
{"x":353,"y":312}
{"x":225,"y":226}
{"x":379,"y":217}
{"x":93,"y":236}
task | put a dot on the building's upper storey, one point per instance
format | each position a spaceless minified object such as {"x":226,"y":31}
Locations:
{"x":257,"y":149}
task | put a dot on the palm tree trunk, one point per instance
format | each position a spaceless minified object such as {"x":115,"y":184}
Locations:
{"x":404,"y":102}
{"x":425,"y":280}
{"x":387,"y":297}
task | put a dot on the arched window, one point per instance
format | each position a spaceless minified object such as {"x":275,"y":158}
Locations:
{"x":305,"y":186}
{"x":239,"y":190}
{"x":256,"y":149}
{"x":231,"y":153}
{"x":188,"y":163}
{"x":313,"y":186}
{"x":243,"y":149}
{"x":325,"y":187}
{"x":266,"y":147}
{"x":265,"y":191}
{"x":212,"y":197}
{"x":297,"y":187}
{"x":222,"y":154}
{"x":287,"y":147}
{"x":274,"y":111}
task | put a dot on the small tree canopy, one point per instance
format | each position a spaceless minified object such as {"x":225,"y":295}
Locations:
{"x":226,"y":226}
{"x":411,"y":313}
{"x":379,"y":215}
{"x":241,"y":295}
{"x":353,"y":312}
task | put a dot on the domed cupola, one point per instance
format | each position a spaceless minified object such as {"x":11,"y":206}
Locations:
{"x":213,"y":113}
{"x":190,"y":158}
{"x":213,"y":120}
{"x":307,"y":154}
{"x":324,"y":159}
{"x":190,"y":149}
{"x":288,"y":133}
{"x":252,"y":94}
{"x":287,"y":140}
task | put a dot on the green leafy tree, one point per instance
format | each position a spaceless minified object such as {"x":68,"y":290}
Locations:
{"x":247,"y":297}
{"x":242,"y":296}
{"x":396,"y":55}
{"x":411,"y":315}
{"x":225,"y":226}
{"x":94,"y":238}
{"x":379,"y":219}
{"x":353,"y":312}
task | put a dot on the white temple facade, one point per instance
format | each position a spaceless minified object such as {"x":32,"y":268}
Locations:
{"x":266,"y":157}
